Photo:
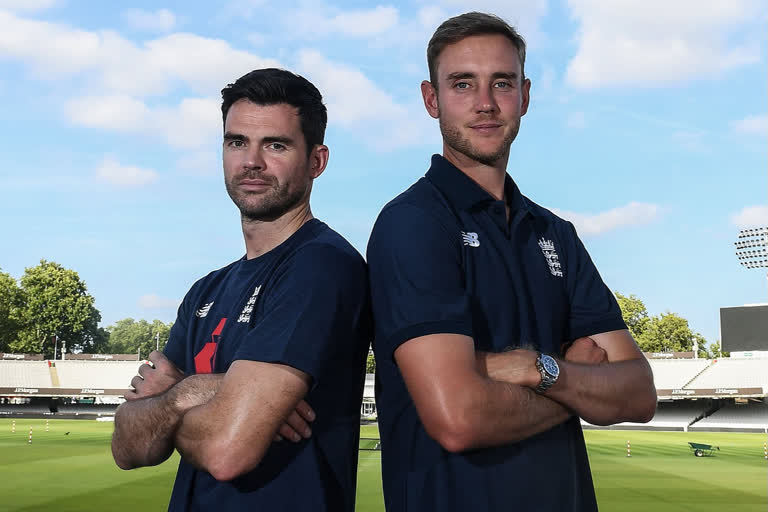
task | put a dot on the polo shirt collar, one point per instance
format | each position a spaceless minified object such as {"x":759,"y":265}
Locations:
{"x":463,"y":193}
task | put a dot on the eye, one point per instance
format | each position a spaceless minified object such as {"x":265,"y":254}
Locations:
{"x":502,"y":85}
{"x":461,"y":85}
{"x":236,"y":143}
{"x":276,"y":146}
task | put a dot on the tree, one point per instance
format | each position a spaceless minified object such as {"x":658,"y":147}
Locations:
{"x":370,"y":365}
{"x":634,"y":313}
{"x":54,"y":302}
{"x":128,"y":336}
{"x":671,"y":333}
{"x":10,"y":300}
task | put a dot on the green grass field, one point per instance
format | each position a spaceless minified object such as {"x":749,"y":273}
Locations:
{"x":74,"y":472}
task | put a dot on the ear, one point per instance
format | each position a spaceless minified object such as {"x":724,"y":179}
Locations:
{"x":318,"y":159}
{"x":429,"y":93}
{"x":526,"y":89}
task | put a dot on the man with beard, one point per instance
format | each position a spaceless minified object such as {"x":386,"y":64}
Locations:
{"x":494,"y":331}
{"x":267,"y":344}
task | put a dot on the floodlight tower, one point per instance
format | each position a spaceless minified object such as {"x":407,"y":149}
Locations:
{"x":752,"y":248}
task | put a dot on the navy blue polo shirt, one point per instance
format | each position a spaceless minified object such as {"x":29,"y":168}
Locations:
{"x":443,"y":259}
{"x":304,"y":304}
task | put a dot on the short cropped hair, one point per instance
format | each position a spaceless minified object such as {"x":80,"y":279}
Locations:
{"x":469,"y":24}
{"x":273,"y":86}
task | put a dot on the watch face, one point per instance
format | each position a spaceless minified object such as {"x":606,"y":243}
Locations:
{"x":550,"y":366}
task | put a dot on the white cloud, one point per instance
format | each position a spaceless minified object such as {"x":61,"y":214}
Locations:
{"x":161,"y":20}
{"x":362,"y":23}
{"x":124,"y":176}
{"x":657,"y":42}
{"x":193,"y":123}
{"x":118,"y":112}
{"x":357,"y":104}
{"x":592,"y":224}
{"x":27,"y":5}
{"x":154,"y":301}
{"x":751,"y":217}
{"x":757,"y":125}
{"x":119,"y":65}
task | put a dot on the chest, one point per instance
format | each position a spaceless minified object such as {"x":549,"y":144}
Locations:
{"x":227,"y":311}
{"x":514,"y":275}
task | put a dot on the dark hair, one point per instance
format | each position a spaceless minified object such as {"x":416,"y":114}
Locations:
{"x":469,"y":24}
{"x":272,"y":86}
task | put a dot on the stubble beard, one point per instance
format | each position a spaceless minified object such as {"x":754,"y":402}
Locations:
{"x":266,"y":206}
{"x":455,"y":140}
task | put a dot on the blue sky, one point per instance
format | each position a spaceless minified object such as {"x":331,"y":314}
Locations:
{"x":648,"y":128}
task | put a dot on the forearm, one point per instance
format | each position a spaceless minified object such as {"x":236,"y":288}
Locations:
{"x":143,"y":433}
{"x":144,"y":428}
{"x":607,"y":393}
{"x":500,"y":413}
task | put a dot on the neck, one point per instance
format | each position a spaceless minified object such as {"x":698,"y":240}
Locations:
{"x":489,"y":177}
{"x":261,"y":236}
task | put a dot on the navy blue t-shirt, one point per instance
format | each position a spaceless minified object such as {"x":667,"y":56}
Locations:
{"x":444,"y":259}
{"x":304,"y":304}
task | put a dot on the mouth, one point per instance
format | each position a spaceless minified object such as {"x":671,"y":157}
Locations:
{"x":486,"y":127}
{"x":254,"y":185}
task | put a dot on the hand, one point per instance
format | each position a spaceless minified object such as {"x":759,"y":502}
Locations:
{"x":154,"y":379}
{"x":296,"y":426}
{"x":585,"y":351}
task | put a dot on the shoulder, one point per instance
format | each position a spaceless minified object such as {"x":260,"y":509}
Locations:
{"x":211,"y":279}
{"x":323,"y":252}
{"x":420,"y":208}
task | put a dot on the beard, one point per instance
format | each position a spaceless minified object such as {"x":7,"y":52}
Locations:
{"x":264,"y":206}
{"x":453,"y":137}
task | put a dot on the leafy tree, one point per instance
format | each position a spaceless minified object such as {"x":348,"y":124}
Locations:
{"x":669,"y":332}
{"x":128,"y":336}
{"x":54,"y":302}
{"x":370,"y":365}
{"x":716,"y":352}
{"x":10,"y":300}
{"x":634,"y":313}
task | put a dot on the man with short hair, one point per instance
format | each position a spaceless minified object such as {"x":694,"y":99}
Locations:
{"x":494,"y":331}
{"x":259,"y":341}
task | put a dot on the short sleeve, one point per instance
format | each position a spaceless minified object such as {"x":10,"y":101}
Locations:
{"x":175,"y":347}
{"x":313,"y":313}
{"x":417,"y":278}
{"x":593,"y":307}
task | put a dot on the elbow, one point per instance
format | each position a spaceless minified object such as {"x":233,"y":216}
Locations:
{"x":452,"y":432}
{"x":227,"y":462}
{"x":646,"y":409}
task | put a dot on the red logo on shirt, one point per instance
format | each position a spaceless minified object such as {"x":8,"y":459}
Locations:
{"x":205,"y":358}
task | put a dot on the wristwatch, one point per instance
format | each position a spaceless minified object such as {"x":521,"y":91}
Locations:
{"x":549,"y":370}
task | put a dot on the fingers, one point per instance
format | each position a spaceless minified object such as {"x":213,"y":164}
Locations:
{"x":144,"y":369}
{"x":130,"y":396}
{"x":287,"y":432}
{"x":136,"y":383}
{"x":305,"y":411}
{"x":298,"y":424}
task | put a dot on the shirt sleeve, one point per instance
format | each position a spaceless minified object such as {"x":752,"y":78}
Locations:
{"x":313,"y":313}
{"x":594,"y":309}
{"x":417,"y":278}
{"x":177,"y":338}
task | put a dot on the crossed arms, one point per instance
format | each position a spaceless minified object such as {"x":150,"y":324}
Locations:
{"x":222,"y":423}
{"x":470,"y":400}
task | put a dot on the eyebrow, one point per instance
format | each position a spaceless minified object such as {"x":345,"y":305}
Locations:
{"x":458,"y":75}
{"x":229,"y":136}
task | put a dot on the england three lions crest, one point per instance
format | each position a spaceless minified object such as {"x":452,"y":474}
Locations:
{"x":550,"y":254}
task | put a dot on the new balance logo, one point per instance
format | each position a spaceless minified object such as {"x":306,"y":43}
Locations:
{"x":203,"y":311}
{"x":470,"y":239}
{"x":553,"y":260}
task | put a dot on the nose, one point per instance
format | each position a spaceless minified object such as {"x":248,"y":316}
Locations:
{"x":486,"y":101}
{"x":254,"y":160}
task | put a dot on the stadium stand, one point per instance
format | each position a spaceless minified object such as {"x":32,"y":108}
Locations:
{"x":737,"y":373}
{"x":96,"y":374}
{"x":676,"y":373}
{"x":736,"y":417}
{"x":671,"y":415}
{"x":25,"y":373}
